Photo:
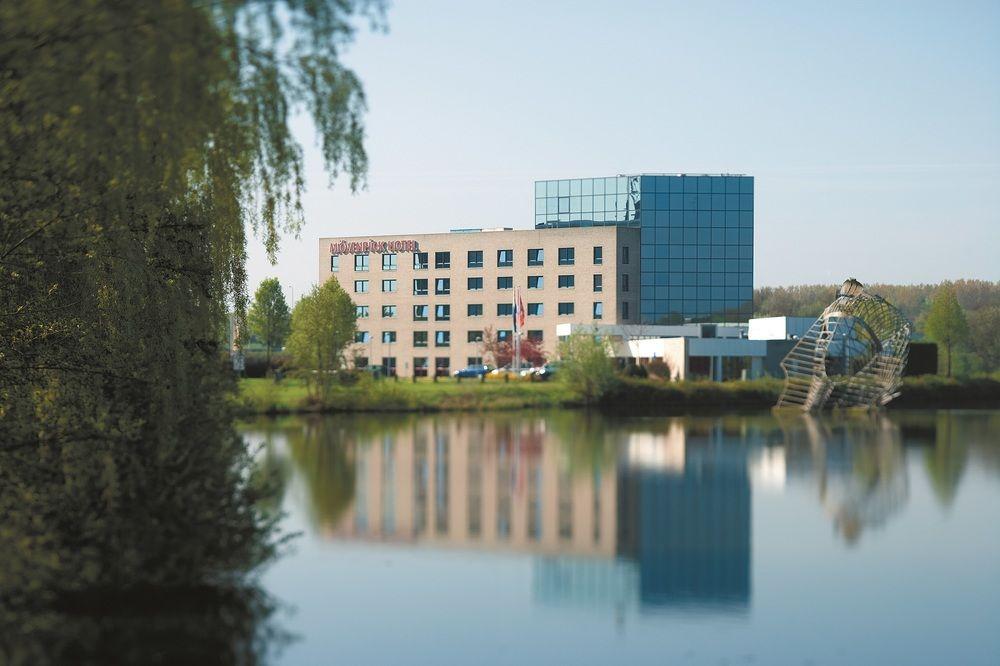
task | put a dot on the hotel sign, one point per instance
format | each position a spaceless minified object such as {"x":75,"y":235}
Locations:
{"x":380,"y":247}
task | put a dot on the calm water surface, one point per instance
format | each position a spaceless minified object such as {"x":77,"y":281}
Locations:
{"x":569,"y":538}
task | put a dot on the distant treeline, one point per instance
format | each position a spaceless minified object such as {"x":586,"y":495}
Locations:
{"x":979,"y":298}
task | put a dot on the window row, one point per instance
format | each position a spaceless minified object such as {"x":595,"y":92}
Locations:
{"x":442,"y":312}
{"x":659,"y":202}
{"x":442,"y":286}
{"x":443,"y":338}
{"x":693,"y":236}
{"x":679,"y":184}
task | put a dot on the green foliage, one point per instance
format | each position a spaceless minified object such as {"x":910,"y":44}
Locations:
{"x":323,"y":325}
{"x":138,"y":141}
{"x":946,"y":323}
{"x":587,"y":366}
{"x":268,"y":317}
{"x":984,"y":336}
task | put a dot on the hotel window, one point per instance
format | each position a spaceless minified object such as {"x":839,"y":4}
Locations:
{"x":388,"y":285}
{"x":475,"y":310}
{"x":567,"y":256}
{"x":442,"y":365}
{"x":535,"y":336}
{"x":442,"y":260}
{"x":361,"y":286}
{"x":442,"y":286}
{"x":361,"y":262}
{"x":419,"y":338}
{"x":598,"y":255}
{"x":361,"y":311}
{"x":388,"y":311}
{"x":536,"y":309}
{"x":566,"y":308}
{"x":536,"y":257}
{"x":505,"y":258}
{"x":419,"y":260}
{"x":598,"y":282}
{"x":389,"y":262}
{"x":536,"y":282}
{"x":334,"y":263}
{"x":598,"y":310}
{"x":442,"y":339}
{"x":625,"y":254}
{"x":475,"y":259}
{"x":624,"y":310}
{"x":420,"y":312}
{"x":420,"y":287}
{"x":475,"y":336}
{"x":504,"y":334}
{"x":505,"y":309}
{"x":624,"y":281}
{"x":474,"y":360}
{"x":388,"y":337}
{"x":442,"y":312}
{"x":505,"y":282}
{"x":475,"y":284}
{"x":420,"y":366}
{"x":567,"y":281}
{"x":360,"y":362}
{"x":362,"y":336}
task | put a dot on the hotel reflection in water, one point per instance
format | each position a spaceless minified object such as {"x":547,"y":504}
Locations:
{"x":616,"y":518}
{"x":648,"y":514}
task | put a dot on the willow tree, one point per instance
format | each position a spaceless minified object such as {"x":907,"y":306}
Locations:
{"x":140,"y":144}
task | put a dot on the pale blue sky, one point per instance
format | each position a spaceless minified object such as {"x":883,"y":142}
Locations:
{"x":872,"y":128}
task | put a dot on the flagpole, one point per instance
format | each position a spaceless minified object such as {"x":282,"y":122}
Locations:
{"x":517,"y":330}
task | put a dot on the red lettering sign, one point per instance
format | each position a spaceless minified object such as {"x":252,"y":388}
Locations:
{"x":371,"y":245}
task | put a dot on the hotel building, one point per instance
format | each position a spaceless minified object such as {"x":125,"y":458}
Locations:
{"x":643,"y":249}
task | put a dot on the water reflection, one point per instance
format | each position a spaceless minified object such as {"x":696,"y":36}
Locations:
{"x":647,"y":514}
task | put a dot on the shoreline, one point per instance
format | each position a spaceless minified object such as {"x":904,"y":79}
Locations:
{"x":631,"y":397}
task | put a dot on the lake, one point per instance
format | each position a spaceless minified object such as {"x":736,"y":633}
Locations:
{"x":567,"y":537}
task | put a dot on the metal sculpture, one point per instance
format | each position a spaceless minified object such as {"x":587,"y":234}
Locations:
{"x":852,"y":356}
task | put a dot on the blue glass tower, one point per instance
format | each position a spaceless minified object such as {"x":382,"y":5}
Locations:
{"x":696,"y":237}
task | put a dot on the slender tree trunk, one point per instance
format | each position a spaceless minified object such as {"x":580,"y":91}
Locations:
{"x":948,"y":347}
{"x":267,"y":346}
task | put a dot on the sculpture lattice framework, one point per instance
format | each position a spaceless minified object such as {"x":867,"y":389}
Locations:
{"x":852,"y":356}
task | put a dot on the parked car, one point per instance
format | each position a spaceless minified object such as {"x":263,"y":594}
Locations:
{"x":472,"y":371}
{"x":547,"y":371}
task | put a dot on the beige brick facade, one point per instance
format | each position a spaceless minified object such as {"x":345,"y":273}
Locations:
{"x":618,"y":296}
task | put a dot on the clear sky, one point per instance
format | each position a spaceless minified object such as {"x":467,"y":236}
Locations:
{"x":872,"y":128}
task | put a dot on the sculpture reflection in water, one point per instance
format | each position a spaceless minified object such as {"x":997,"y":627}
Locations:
{"x":858,"y":465}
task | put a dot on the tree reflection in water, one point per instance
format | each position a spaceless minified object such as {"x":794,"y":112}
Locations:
{"x":211,"y":624}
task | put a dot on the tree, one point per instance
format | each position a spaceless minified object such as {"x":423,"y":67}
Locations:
{"x":268,"y":317}
{"x":323,"y":325}
{"x":501,"y":352}
{"x":587,"y":365}
{"x":946,"y":323}
{"x":138,"y":143}
{"x":984,"y":336}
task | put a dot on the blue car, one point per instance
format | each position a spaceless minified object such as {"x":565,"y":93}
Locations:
{"x":472,"y":371}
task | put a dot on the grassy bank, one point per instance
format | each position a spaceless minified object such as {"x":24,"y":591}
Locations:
{"x":263,"y":396}
{"x":628,"y":396}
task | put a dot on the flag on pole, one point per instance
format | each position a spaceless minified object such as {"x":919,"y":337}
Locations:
{"x":514,"y":312}
{"x":520,"y":311}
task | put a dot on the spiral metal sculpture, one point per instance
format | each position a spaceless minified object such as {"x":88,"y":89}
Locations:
{"x":852,"y":356}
